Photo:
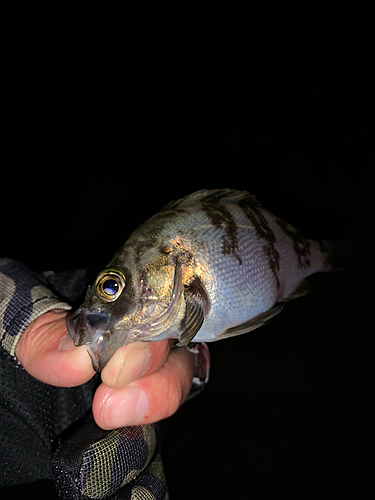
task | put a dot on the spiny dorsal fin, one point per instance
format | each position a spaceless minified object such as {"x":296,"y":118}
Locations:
{"x":215,"y":196}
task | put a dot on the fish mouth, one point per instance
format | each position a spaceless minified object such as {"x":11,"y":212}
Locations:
{"x":91,"y":329}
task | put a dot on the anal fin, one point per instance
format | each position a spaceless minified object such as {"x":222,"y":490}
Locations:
{"x":300,"y":291}
{"x":252,"y":324}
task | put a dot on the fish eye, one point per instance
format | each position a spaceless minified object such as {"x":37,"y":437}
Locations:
{"x":109,"y":284}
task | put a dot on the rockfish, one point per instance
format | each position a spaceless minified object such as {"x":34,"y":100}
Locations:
{"x":212,"y":265}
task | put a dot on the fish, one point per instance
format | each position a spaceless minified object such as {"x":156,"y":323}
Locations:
{"x":212,"y":265}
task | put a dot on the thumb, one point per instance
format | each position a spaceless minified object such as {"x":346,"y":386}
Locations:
{"x":47,"y":352}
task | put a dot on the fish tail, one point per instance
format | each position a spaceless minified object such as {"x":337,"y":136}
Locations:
{"x":339,"y":254}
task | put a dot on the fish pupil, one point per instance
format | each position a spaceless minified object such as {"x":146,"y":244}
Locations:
{"x":110,"y":287}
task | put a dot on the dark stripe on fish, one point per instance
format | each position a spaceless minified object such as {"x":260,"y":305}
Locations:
{"x":264,"y":231}
{"x":220,"y":217}
{"x":300,"y":244}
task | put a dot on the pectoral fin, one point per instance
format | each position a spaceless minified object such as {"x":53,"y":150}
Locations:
{"x":252,"y":324}
{"x":197,"y":304}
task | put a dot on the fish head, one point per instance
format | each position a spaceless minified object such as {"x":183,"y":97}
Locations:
{"x":127,"y":304}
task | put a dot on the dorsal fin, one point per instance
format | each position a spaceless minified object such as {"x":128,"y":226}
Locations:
{"x":215,"y":196}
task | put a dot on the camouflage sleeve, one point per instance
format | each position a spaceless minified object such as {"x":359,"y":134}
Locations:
{"x":23,"y":298}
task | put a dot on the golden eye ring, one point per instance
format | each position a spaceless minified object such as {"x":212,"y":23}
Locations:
{"x":109,"y":284}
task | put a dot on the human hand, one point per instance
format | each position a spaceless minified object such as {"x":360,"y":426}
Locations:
{"x":142,"y":383}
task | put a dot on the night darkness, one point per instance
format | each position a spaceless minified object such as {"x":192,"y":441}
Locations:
{"x":112,"y":112}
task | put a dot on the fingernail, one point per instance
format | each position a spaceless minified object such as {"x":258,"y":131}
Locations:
{"x":125,"y":407}
{"x":136,"y":363}
{"x":66,"y":344}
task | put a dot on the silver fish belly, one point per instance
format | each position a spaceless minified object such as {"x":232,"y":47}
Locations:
{"x":212,"y":265}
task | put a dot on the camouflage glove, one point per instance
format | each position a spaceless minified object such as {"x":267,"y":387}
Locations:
{"x":120,"y":464}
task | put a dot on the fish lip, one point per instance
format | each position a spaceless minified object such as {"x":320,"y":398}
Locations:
{"x":90,"y":329}
{"x":73,"y":325}
{"x":97,"y":363}
{"x":101,"y":349}
{"x":85,"y":326}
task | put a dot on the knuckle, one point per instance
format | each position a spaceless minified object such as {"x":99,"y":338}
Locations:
{"x":174,"y":395}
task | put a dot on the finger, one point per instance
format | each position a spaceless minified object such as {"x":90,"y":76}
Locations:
{"x":46,"y":351}
{"x":148,"y":399}
{"x":135,"y":360}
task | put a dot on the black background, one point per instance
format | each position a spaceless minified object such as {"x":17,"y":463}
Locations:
{"x":112,"y":111}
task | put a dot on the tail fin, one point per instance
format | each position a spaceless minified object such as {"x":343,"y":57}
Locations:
{"x":339,"y":253}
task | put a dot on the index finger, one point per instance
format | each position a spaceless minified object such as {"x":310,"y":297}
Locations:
{"x":46,"y":351}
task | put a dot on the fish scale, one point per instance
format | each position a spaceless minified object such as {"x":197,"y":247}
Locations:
{"x":244,"y":292}
{"x":212,"y":265}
